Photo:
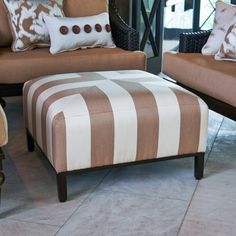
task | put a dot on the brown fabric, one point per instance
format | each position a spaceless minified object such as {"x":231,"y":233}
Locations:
{"x":59,"y":140}
{"x":102,"y":126}
{"x":190,"y":114}
{"x":45,"y":108}
{"x":3,"y":128}
{"x":203,"y":73}
{"x":75,"y":8}
{"x":40,"y":62}
{"x":5,"y":31}
{"x":147,"y":117}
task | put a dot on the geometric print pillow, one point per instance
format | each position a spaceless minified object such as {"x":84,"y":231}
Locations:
{"x":26,"y":21}
{"x":228,"y":48}
{"x":224,"y":16}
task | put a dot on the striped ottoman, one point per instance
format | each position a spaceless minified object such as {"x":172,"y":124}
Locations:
{"x":97,"y":119}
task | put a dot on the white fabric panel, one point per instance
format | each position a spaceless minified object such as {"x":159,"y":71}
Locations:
{"x":204,"y":126}
{"x":169,"y":120}
{"x":125,"y":121}
{"x":126,"y":74}
{"x":78,"y":134}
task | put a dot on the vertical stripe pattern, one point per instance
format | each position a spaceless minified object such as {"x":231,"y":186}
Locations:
{"x":147,"y":119}
{"x":59,"y":140}
{"x":190,"y":122}
{"x":83,"y":120}
{"x":102,"y":126}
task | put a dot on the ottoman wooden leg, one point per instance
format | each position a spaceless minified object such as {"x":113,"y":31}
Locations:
{"x":199,"y":166}
{"x":30,"y":141}
{"x":62,"y":187}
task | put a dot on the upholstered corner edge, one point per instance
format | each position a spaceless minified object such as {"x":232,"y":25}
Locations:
{"x":3,"y":128}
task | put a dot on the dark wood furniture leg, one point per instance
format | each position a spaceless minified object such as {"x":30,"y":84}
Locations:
{"x":30,"y":141}
{"x":2,"y":176}
{"x":62,"y":186}
{"x":199,"y":166}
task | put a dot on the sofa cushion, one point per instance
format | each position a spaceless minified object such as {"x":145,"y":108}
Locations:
{"x":203,"y":73}
{"x":26,"y":22}
{"x":40,"y":62}
{"x":75,"y":8}
{"x":71,"y":8}
{"x":71,"y":33}
{"x":223,"y":18}
{"x":228,"y":50}
{"x":5,"y":32}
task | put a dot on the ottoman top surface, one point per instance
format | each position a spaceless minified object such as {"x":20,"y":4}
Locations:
{"x":96,"y":87}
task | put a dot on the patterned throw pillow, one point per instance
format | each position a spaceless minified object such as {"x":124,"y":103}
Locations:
{"x":228,"y":48}
{"x":26,"y":21}
{"x":223,"y":18}
{"x":68,"y":34}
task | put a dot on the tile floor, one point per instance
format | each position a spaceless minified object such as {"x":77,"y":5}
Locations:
{"x":150,"y":199}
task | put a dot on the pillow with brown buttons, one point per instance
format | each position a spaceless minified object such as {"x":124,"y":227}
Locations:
{"x":71,"y":33}
{"x":26,"y":21}
{"x":228,"y":48}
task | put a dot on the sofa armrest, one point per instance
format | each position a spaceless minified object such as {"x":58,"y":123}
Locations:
{"x":125,"y":37}
{"x":193,"y":42}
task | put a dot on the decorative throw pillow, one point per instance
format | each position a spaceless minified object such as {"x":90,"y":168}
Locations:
{"x":228,"y":48}
{"x":223,"y":18}
{"x":26,"y":21}
{"x":68,"y":34}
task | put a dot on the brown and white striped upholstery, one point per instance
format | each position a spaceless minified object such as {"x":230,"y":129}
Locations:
{"x":83,"y":120}
{"x":3,"y":128}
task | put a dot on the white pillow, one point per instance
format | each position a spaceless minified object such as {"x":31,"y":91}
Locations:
{"x":223,"y":19}
{"x":68,"y":34}
{"x":228,"y":48}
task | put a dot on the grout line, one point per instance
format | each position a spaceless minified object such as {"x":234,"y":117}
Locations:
{"x":208,"y":156}
{"x":213,"y":144}
{"x":88,"y":196}
{"x":30,"y":222}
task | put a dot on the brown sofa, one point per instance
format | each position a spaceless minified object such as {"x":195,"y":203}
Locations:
{"x":214,"y":81}
{"x":16,"y":68}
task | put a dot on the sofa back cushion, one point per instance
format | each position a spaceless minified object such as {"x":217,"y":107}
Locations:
{"x":72,"y":8}
{"x":26,"y":21}
{"x":75,"y":8}
{"x":5,"y":32}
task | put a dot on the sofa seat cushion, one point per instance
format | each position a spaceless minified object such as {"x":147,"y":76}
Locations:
{"x":23,"y":66}
{"x":203,"y":73}
{"x":75,"y":8}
